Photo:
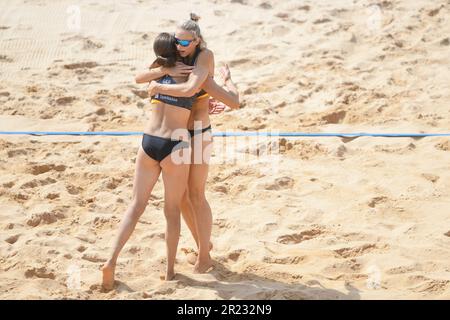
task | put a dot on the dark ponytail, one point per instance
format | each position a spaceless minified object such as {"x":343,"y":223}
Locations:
{"x":165,"y":50}
{"x":166,"y":62}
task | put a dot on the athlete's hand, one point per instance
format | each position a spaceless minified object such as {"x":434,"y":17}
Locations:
{"x":180,"y":70}
{"x":225,"y":73}
{"x":151,"y":89}
{"x":216,"y":107}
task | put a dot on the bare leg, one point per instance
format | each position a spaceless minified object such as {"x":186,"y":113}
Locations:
{"x":203,"y":217}
{"x":189,"y":216}
{"x":175,"y":178}
{"x":146,"y":174}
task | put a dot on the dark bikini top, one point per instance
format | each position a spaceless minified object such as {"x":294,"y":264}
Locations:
{"x":182,"y":102}
{"x":191,"y":62}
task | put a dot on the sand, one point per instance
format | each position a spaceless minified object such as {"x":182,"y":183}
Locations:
{"x":325,"y":218}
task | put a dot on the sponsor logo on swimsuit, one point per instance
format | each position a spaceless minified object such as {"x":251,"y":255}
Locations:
{"x":167,"y":98}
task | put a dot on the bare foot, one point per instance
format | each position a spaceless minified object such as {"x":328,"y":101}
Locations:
{"x":108,"y":275}
{"x":192,"y":255}
{"x":202,"y":267}
{"x":168,"y":276}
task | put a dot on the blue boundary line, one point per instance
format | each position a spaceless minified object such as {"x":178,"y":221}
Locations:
{"x":235,"y":134}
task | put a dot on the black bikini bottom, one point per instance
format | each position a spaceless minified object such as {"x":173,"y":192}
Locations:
{"x":158,"y":148}
{"x":195,"y":132}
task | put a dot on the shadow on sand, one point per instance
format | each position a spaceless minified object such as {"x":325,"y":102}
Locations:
{"x":233,"y":285}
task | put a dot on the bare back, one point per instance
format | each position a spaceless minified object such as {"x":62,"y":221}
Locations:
{"x":165,"y":118}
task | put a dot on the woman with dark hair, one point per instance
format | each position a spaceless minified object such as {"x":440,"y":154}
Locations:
{"x":165,"y":149}
{"x":192,"y":49}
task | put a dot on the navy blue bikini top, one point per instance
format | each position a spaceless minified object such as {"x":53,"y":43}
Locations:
{"x":182,"y":102}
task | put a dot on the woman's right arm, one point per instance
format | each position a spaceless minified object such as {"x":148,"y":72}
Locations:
{"x":151,"y":74}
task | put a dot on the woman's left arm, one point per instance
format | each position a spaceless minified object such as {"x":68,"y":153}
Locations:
{"x":229,"y":97}
{"x":192,"y":85}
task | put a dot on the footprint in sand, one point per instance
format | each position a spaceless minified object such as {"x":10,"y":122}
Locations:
{"x":44,"y":217}
{"x":85,"y":238}
{"x":280,"y":183}
{"x":93,"y":257}
{"x":348,"y":266}
{"x":4,"y":58}
{"x":430,"y":177}
{"x":434,"y":12}
{"x":62,"y":101}
{"x":41,"y":272}
{"x":307,"y":149}
{"x":401,"y":270}
{"x":81,"y":248}
{"x":435,"y":286}
{"x":105,"y":222}
{"x":299,"y":237}
{"x":236,"y":254}
{"x":112,"y":183}
{"x":265,"y":5}
{"x":334,"y":117}
{"x":52,"y":196}
{"x":341,"y":151}
{"x":9,"y":184}
{"x":243,"y":2}
{"x":377,"y":200}
{"x":81,"y":65}
{"x":165,"y":290}
{"x":12,"y":239}
{"x":38,"y":183}
{"x":134,"y":249}
{"x":20,"y":197}
{"x":283,"y":15}
{"x":322,"y":20}
{"x":304,"y":8}
{"x":285,"y":260}
{"x":443,"y":145}
{"x":355,"y":251}
{"x":88,"y":44}
{"x":17,"y":152}
{"x":222,"y":223}
{"x":73,"y":190}
{"x":221,"y":188}
{"x":40,"y":169}
{"x":445,"y":42}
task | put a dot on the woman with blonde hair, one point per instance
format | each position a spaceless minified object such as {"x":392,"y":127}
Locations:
{"x":165,"y":149}
{"x":195,"y":208}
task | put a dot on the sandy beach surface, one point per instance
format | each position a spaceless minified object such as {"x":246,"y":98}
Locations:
{"x":324,"y":218}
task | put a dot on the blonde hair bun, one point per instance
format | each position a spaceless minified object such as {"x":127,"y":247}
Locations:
{"x":194,"y":17}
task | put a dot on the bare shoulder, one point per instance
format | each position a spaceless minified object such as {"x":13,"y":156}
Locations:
{"x":206,"y":54}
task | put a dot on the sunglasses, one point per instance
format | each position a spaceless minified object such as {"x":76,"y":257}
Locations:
{"x":183,"y":43}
